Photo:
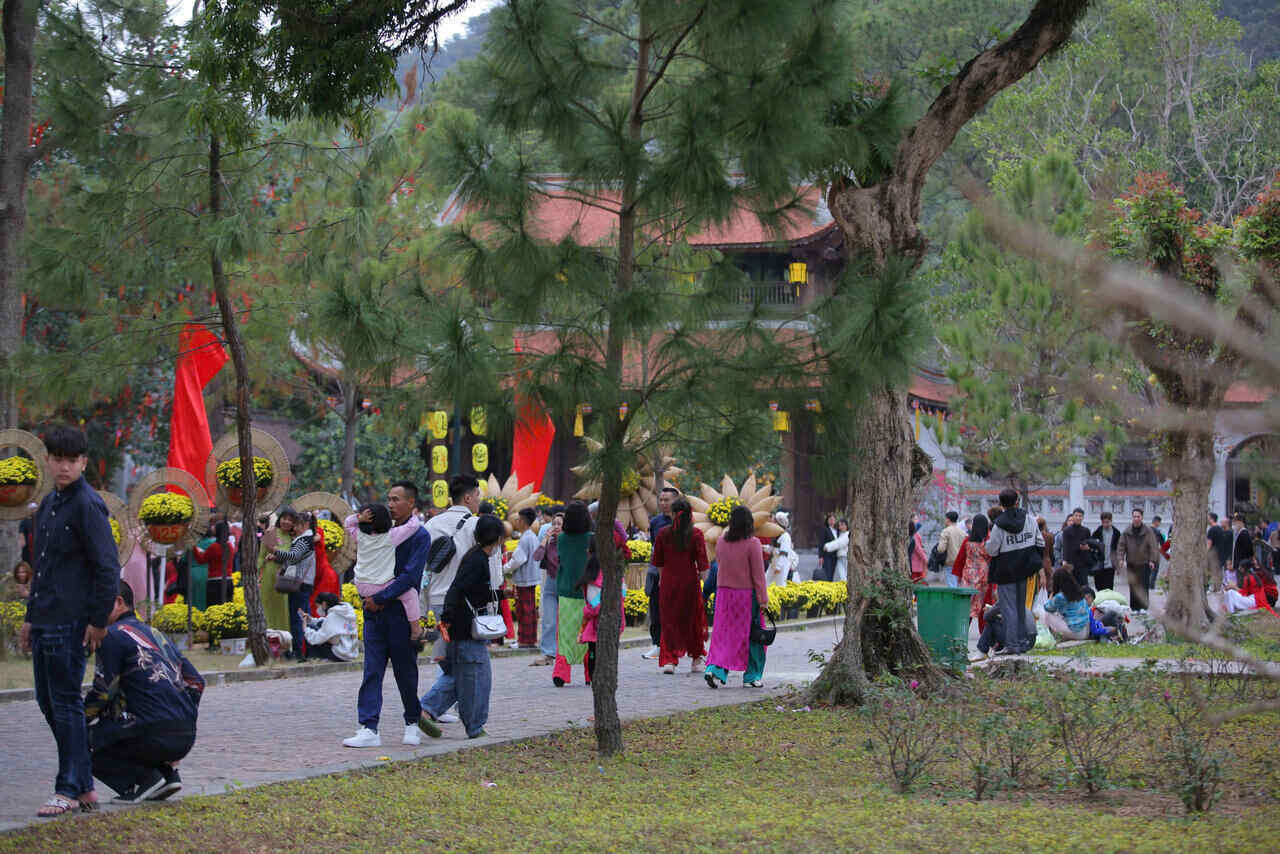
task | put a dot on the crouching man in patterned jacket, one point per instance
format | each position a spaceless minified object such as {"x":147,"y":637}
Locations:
{"x":142,"y":708}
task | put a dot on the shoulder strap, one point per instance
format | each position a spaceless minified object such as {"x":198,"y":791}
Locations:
{"x":462,"y":521}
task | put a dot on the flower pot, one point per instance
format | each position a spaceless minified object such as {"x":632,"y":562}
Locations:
{"x":235,"y":494}
{"x":16,"y":494}
{"x":178,"y":639}
{"x":790,"y":613}
{"x":167,"y":535}
{"x":232,"y":646}
{"x":814,"y":612}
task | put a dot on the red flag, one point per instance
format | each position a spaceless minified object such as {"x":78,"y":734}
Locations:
{"x":201,"y":356}
{"x":534,"y":434}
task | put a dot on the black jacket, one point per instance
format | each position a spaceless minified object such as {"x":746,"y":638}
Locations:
{"x":77,"y":570}
{"x":1111,"y":546}
{"x":470,"y":589}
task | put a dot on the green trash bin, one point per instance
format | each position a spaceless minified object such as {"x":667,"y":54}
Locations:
{"x":942,"y":615}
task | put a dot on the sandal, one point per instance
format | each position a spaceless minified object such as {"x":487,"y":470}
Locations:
{"x":58,"y":805}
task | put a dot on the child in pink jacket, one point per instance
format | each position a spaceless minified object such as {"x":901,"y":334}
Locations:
{"x":591,"y":610}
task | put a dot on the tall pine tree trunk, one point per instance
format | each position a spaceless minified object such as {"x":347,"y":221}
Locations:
{"x":350,"y":423}
{"x":254,"y":614}
{"x":880,"y":223}
{"x":15,"y":161}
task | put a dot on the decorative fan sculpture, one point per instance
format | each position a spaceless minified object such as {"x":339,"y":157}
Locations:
{"x":24,"y":478}
{"x":509,"y":498}
{"x":341,"y":548}
{"x":271,"y":472}
{"x":169,"y":518}
{"x":711,"y":510}
{"x":638,"y":500}
{"x":123,"y":525}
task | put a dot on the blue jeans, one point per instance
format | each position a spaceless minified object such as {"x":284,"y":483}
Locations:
{"x":58,"y":659}
{"x":301,"y":599}
{"x":467,"y":680}
{"x":550,"y":614}
{"x":386,"y":637}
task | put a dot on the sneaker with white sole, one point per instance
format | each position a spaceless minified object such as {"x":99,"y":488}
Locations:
{"x":651,"y":654}
{"x":668,"y":669}
{"x":447,"y":718}
{"x":411,"y":735}
{"x":698,"y":666}
{"x":364,"y":737}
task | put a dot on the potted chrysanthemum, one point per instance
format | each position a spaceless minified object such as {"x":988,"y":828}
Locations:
{"x":18,"y":477}
{"x":167,"y":516}
{"x":229,"y":479}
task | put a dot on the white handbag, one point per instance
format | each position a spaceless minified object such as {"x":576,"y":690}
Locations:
{"x":487,"y":626}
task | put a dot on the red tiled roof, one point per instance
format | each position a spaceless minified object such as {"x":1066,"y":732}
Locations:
{"x":564,"y":212}
{"x":1247,"y":394}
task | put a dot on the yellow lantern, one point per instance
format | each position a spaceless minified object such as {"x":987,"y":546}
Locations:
{"x":781,"y":421}
{"x":439,"y":459}
{"x":480,"y":457}
{"x":440,"y":493}
{"x":577,"y":422}
{"x":477,"y":420}
{"x":438,"y":424}
{"x":798,"y":273}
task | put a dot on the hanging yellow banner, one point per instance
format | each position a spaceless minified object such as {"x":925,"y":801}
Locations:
{"x":577,"y":422}
{"x":478,"y":424}
{"x":440,"y":493}
{"x":782,"y":421}
{"x":439,"y":459}
{"x":438,"y":423}
{"x":480,"y":457}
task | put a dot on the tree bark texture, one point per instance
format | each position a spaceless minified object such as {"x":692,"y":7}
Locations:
{"x":1189,"y":458}
{"x":254,"y":614}
{"x":881,"y":222}
{"x":350,"y":423}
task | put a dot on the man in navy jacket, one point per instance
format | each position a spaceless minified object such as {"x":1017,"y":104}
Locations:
{"x":77,"y":573}
{"x":386,"y":630}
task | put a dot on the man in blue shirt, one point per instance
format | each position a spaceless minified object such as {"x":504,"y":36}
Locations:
{"x":76,"y":575}
{"x":142,"y":708}
{"x":386,"y":630}
{"x":652,"y":578}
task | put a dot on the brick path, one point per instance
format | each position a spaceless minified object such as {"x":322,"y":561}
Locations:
{"x":251,"y":733}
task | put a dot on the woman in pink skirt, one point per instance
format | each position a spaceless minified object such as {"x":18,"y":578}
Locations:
{"x":741,"y":598}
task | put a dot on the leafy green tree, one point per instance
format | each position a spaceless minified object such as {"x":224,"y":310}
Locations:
{"x":383,"y":452}
{"x":1020,"y":347}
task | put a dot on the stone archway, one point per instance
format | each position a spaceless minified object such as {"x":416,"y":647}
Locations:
{"x":1253,"y":474}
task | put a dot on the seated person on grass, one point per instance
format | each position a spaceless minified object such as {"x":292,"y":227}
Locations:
{"x":1106,"y":619}
{"x":332,"y":636}
{"x":1257,"y":589}
{"x":142,"y":708}
{"x":1067,"y":613}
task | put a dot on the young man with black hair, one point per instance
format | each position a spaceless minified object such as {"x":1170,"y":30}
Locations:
{"x":1140,"y":553}
{"x":77,"y":574}
{"x":1218,"y":539}
{"x":1109,"y":536}
{"x":143,"y":707}
{"x":652,"y":576}
{"x":387,"y":636}
{"x":1016,"y":548}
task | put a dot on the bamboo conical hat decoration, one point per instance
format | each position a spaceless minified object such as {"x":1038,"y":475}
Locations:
{"x":264,"y":445}
{"x":639,"y":498}
{"x":118,"y":510}
{"x":344,"y":557}
{"x":35,"y":450}
{"x":515,"y":496}
{"x":160,"y":480}
{"x":758,"y":498}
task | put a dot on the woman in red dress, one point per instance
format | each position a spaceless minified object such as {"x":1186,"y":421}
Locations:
{"x":681,"y":555}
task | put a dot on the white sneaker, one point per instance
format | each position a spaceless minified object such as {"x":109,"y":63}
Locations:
{"x":651,"y":654}
{"x":364,"y":737}
{"x":668,"y":669}
{"x":447,"y":718}
{"x":411,"y":735}
{"x":698,"y":666}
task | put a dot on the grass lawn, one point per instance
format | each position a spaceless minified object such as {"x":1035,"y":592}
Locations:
{"x":749,"y":778}
{"x":1259,"y":633}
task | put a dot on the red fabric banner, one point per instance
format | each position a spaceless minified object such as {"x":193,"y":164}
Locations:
{"x":201,"y":356}
{"x":534,"y":434}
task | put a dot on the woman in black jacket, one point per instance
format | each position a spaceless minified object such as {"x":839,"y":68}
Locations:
{"x":468,"y":677}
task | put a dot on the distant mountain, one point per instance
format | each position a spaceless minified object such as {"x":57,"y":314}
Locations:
{"x":465,"y":46}
{"x":1261,"y":20}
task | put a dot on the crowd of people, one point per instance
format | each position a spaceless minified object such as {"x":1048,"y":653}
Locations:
{"x":139,"y":719}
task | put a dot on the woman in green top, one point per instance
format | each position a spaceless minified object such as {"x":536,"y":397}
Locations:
{"x":572,"y":546}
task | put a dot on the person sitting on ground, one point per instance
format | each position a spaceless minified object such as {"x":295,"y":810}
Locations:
{"x":376,"y":542}
{"x":1067,"y":613}
{"x":333,"y":635}
{"x":1257,"y":589}
{"x":142,"y":708}
{"x":1105,"y":622}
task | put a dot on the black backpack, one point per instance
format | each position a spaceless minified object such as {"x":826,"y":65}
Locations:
{"x":442,"y":549}
{"x":937,"y":558}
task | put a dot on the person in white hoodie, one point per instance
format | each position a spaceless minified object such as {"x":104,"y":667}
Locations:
{"x":784,"y":554}
{"x":840,"y":545}
{"x":333,"y":635}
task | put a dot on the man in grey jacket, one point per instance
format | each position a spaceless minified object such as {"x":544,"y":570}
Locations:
{"x":1140,"y":553}
{"x":299,"y":560}
{"x":1016,"y":548}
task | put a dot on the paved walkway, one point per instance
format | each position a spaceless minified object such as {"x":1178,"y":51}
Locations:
{"x":253,"y":733}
